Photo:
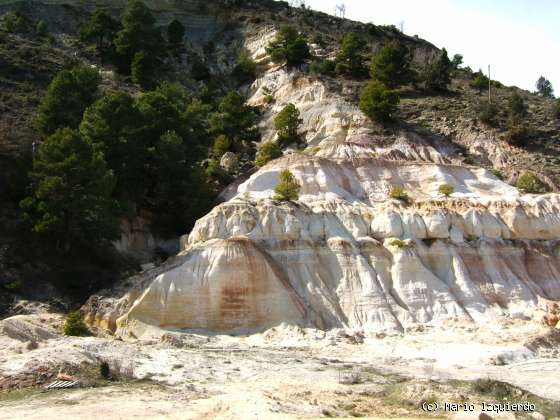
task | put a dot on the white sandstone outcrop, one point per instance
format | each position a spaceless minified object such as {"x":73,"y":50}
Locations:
{"x":345,"y":255}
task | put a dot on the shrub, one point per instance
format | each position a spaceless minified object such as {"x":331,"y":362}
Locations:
{"x":446,"y":189}
{"x":399,"y":243}
{"x":101,"y":28}
{"x":326,"y":67}
{"x":175,"y":32}
{"x":517,"y":134}
{"x":457,"y":61}
{"x":42,"y":29}
{"x":438,"y":74}
{"x":143,"y":70}
{"x":487,"y":113}
{"x":221,"y":145}
{"x":352,"y":53}
{"x":289,"y":47}
{"x":15,"y":22}
{"x":497,"y":173}
{"x":544,"y":88}
{"x":517,"y":108}
{"x":480,"y":81}
{"x":391,"y":65}
{"x":556,"y":109}
{"x":67,"y":97}
{"x":105,"y":370}
{"x":287,"y":123}
{"x":530,"y":184}
{"x":399,"y":193}
{"x":378,"y":102}
{"x":288,"y":188}
{"x":269,"y":99}
{"x":74,"y":325}
{"x":246,"y":69}
{"x":267,"y":152}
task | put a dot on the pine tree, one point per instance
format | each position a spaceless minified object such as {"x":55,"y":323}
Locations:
{"x":101,"y":28}
{"x":175,"y":32}
{"x":138,"y":33}
{"x":268,"y":151}
{"x":235,"y":120}
{"x":438,"y":75}
{"x":352,"y":54}
{"x":391,"y":65}
{"x":544,"y":88}
{"x":67,"y":97}
{"x":71,"y":200}
{"x":378,"y":102}
{"x":289,"y":47}
{"x":287,"y":123}
{"x":288,"y":188}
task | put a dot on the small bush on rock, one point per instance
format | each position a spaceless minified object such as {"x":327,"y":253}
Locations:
{"x":267,"y":152}
{"x":288,"y":188}
{"x":517,"y":134}
{"x":399,"y":193}
{"x":446,"y":189}
{"x":74,"y":325}
{"x":399,"y":243}
{"x":487,"y":114}
{"x":530,"y":184}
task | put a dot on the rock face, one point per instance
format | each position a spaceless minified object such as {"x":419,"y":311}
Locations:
{"x":345,"y":255}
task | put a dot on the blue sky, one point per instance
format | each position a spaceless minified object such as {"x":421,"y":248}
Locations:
{"x":520,"y":39}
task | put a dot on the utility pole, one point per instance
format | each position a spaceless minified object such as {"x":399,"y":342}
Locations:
{"x":401,"y":26}
{"x":489,"y":85}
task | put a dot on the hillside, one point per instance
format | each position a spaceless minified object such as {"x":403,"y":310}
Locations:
{"x":261,"y":221}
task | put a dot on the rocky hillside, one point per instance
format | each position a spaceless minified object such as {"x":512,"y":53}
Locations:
{"x":344,"y":254}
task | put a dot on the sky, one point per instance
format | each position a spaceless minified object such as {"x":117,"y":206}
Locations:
{"x":520,"y":39}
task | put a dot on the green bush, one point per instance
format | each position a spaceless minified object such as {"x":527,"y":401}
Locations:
{"x":71,"y":202}
{"x":101,"y":28}
{"x":556,"y":109}
{"x":480,"y":81}
{"x":143,"y":70}
{"x":517,"y":108}
{"x":530,"y":184}
{"x":74,"y":325}
{"x":15,"y":22}
{"x":289,"y":47}
{"x":497,"y":173}
{"x":378,"y":102}
{"x":221,"y":145}
{"x":391,"y":65}
{"x":438,"y":74}
{"x":353,"y":49}
{"x":399,"y":193}
{"x":518,"y":134}
{"x":544,"y":88}
{"x":269,"y":99}
{"x":67,"y":97}
{"x":446,"y":189}
{"x":487,"y":113}
{"x":246,"y":69}
{"x":288,"y":188}
{"x":175,"y":32}
{"x":326,"y":67}
{"x":287,"y":123}
{"x":399,"y":243}
{"x":105,"y":370}
{"x":267,"y":152}
{"x":42,"y":29}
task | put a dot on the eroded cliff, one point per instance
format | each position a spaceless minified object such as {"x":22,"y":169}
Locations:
{"x":345,"y":255}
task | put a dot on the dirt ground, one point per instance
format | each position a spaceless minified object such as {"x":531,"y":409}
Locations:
{"x":287,"y":373}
